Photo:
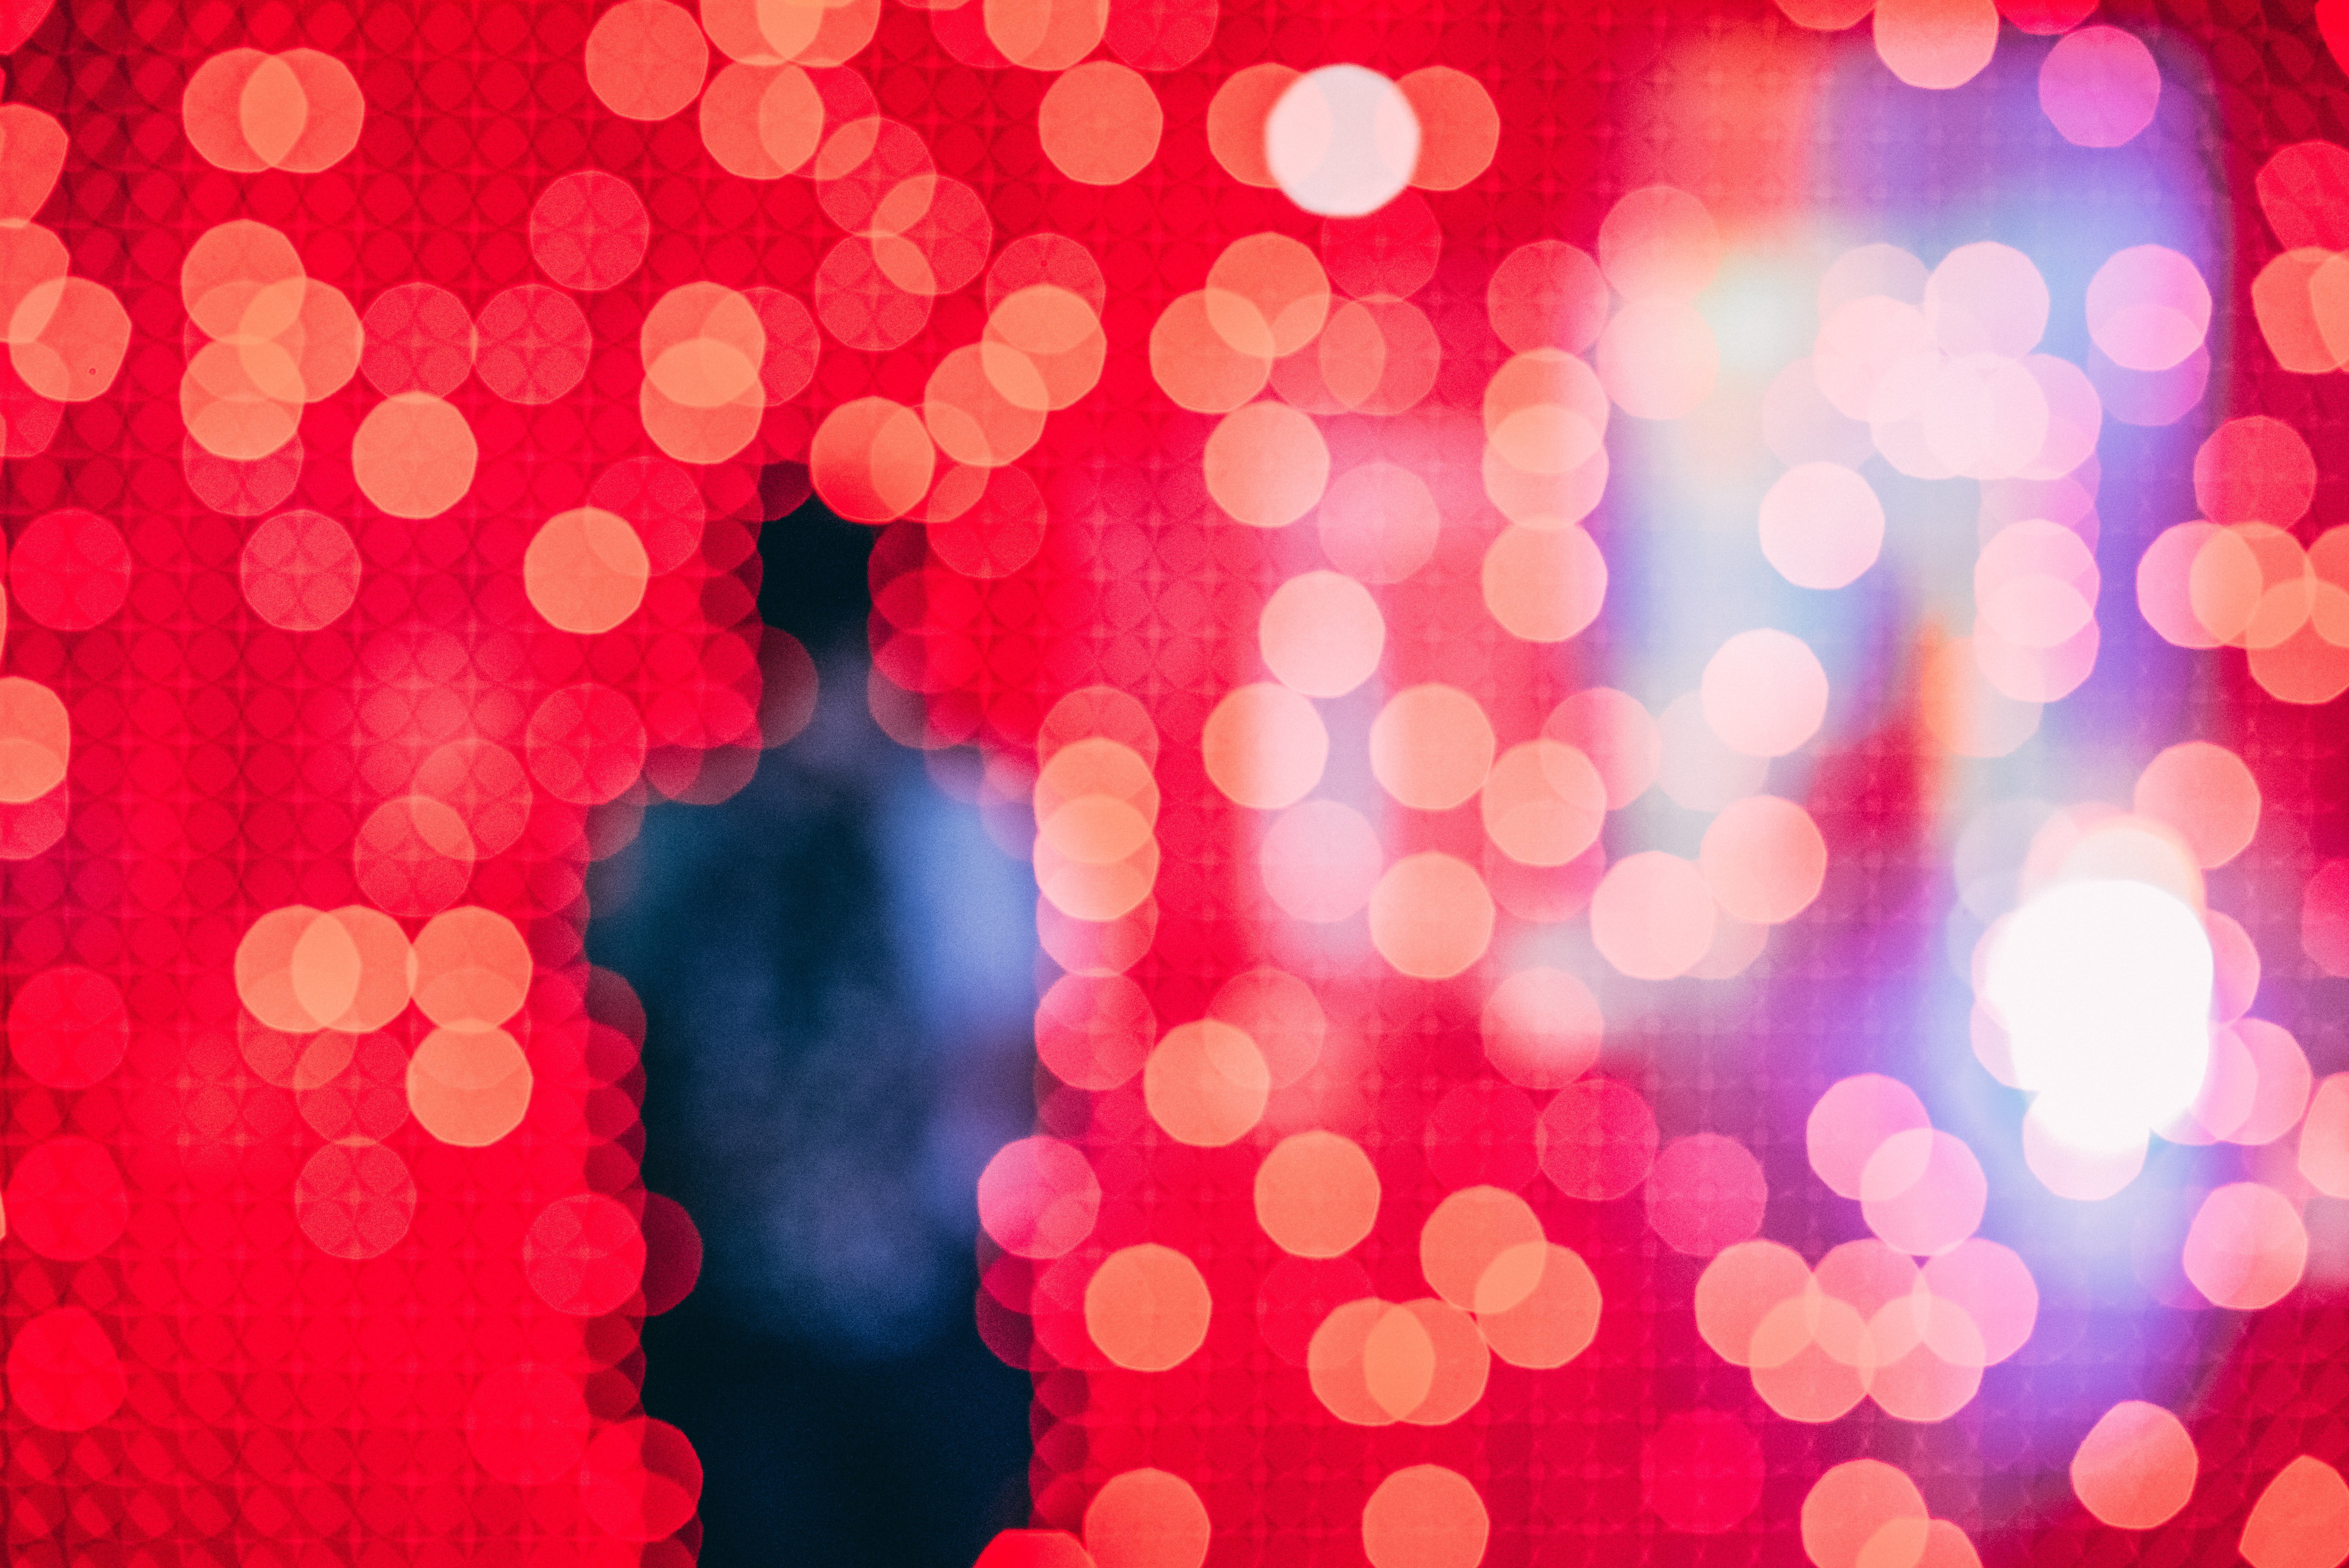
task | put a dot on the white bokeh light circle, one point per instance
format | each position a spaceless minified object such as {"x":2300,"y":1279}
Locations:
{"x":1342,"y":141}
{"x":2105,"y":989}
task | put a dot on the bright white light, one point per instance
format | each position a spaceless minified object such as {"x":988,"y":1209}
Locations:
{"x":1342,"y":141}
{"x":2105,"y":987}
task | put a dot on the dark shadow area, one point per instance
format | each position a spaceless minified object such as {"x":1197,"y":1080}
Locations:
{"x":836,"y":966}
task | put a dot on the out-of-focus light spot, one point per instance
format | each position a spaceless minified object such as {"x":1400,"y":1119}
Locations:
{"x":36,"y":739}
{"x":1100,"y":123}
{"x":1480,"y":1250}
{"x":1459,"y":127}
{"x":1377,"y":522}
{"x":1850,"y":1123}
{"x":1317,"y":1194}
{"x":1826,"y":16}
{"x":1821,"y":525}
{"x":1811,"y":1359}
{"x":70,"y":570}
{"x":1043,"y":346}
{"x":2149,"y":308}
{"x":1705,"y":1192}
{"x":469,"y":1088}
{"x":640,"y":1480}
{"x":2247,"y":1247}
{"x":1659,"y":358}
{"x":1856,"y":1514}
{"x":2207,"y":794}
{"x":1264,"y":747}
{"x":585,"y":571}
{"x":534,"y":345}
{"x":646,"y":58}
{"x":2267,"y":1080}
{"x":1764,"y":693}
{"x":585,"y":743}
{"x":1616,"y":734}
{"x":1321,"y":861}
{"x":414,"y":856}
{"x":2303,"y":339}
{"x":1342,"y":141}
{"x":1763,"y":858}
{"x":1196,"y":366}
{"x":300,"y":970}
{"x":1039,"y":1197}
{"x":2235,"y":980}
{"x":1425,"y":1516}
{"x":1542,"y":1028}
{"x":1431,"y":916}
{"x":1147,"y":1519}
{"x":1546,"y":294}
{"x":64,"y":1372}
{"x":355,"y":1199}
{"x":2256,"y":468}
{"x":2099,"y":87}
{"x":1425,"y":1363}
{"x":871,"y":460}
{"x":67,"y":1026}
{"x":1267,"y":465}
{"x":760,"y":121}
{"x":1542,"y":803}
{"x":413,"y":455}
{"x":1986,"y":298}
{"x":36,"y":144}
{"x":1379,"y":358}
{"x":1993,"y":1289}
{"x":1032,"y":1548}
{"x":2105,"y":990}
{"x":2135,"y":1468}
{"x":1701,"y":1471}
{"x":1096,"y":811}
{"x":471,"y":969}
{"x":2323,"y":1153}
{"x":1147,"y":1308}
{"x":67,"y":337}
{"x":1558,"y":1315}
{"x":1597,"y":1140}
{"x":1205,"y":1083}
{"x":1545,"y":412}
{"x":1923,"y":1191}
{"x":1652,"y":916}
{"x":1659,"y":243}
{"x":65,"y":1199}
{"x":1322,"y":634}
{"x":1237,"y":117}
{"x":1045,"y":35}
{"x":1095,"y":1031}
{"x":245,"y":111}
{"x":300,"y":570}
{"x":1544,"y":585}
{"x":1340,"y":1363}
{"x":1267,"y":295}
{"x":1743,"y":1283}
{"x":589,"y":230}
{"x":1432,"y":746}
{"x":1279,"y":1012}
{"x":2299,"y":190}
{"x":2300,"y":1520}
{"x":1936,"y":44}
